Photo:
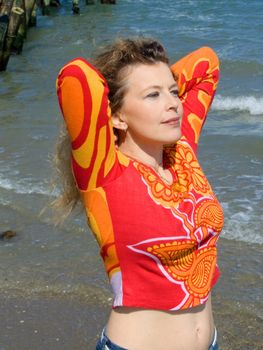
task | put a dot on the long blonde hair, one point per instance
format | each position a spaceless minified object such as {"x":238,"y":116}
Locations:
{"x":111,"y":63}
{"x":63,"y":178}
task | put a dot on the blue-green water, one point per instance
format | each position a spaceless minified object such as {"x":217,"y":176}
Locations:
{"x":59,"y":261}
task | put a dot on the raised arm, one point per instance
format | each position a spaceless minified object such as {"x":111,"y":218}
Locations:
{"x":198,"y":75}
{"x":83,"y":98}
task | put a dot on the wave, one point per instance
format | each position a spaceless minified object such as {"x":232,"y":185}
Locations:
{"x":254,"y":105}
{"x":244,"y":68}
{"x":235,"y":231}
{"x":243,"y":220}
{"x":23,"y":187}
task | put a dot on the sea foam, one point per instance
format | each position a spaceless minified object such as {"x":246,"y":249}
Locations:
{"x":23,"y":186}
{"x":254,"y":105}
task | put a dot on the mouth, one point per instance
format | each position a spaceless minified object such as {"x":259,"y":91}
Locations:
{"x":172,"y":121}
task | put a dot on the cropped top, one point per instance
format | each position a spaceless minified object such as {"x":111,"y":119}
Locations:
{"x":157,"y":241}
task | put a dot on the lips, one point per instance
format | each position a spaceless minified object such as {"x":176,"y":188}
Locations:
{"x":172,"y":121}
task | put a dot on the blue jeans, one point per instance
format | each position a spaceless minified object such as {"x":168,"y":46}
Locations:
{"x":106,"y":344}
{"x":214,"y":345}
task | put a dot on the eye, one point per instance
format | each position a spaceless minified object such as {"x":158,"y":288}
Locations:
{"x":174,"y":92}
{"x":153,"y":94}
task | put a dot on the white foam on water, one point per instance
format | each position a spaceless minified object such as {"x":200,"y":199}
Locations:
{"x":254,"y":105}
{"x":242,"y":222}
{"x":23,"y":186}
{"x":239,"y":231}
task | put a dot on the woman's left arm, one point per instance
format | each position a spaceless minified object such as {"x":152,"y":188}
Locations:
{"x":198,"y":76}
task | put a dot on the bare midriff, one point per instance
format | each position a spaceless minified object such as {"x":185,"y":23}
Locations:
{"x":140,"y":329}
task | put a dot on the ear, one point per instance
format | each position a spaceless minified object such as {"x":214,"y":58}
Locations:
{"x":118,"y":122}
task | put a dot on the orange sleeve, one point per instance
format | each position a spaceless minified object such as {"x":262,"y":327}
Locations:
{"x":198,"y":75}
{"x":83,"y":98}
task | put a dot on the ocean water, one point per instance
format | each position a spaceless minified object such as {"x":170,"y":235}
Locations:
{"x":61,"y":261}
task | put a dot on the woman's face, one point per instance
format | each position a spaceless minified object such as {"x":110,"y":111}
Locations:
{"x":151,"y":107}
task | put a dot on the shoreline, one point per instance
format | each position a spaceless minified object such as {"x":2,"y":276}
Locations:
{"x":54,"y":323}
{"x":72,"y":321}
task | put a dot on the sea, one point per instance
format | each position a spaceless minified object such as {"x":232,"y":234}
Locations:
{"x":50,"y":275}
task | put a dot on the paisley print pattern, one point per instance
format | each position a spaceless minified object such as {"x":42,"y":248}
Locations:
{"x":189,"y":261}
{"x":162,"y":193}
{"x":209,"y":214}
{"x":183,"y":262}
{"x":157,"y":241}
{"x":189,"y":177}
{"x":189,"y":170}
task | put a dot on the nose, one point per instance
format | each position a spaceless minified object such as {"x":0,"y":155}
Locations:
{"x":172,"y":101}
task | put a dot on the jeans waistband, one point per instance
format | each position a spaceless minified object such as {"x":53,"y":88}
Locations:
{"x":214,"y":345}
{"x":106,"y":344}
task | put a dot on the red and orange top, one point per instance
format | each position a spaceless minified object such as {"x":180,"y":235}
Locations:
{"x":157,"y":241}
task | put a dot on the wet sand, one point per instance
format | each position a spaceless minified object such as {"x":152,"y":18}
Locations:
{"x":69,"y":322}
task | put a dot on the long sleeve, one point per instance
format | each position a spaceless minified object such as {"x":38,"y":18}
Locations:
{"x":83,"y":99}
{"x":198,"y":75}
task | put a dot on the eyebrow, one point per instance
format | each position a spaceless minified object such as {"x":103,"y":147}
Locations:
{"x":174,"y":85}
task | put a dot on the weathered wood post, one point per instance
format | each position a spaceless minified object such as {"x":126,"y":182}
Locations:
{"x":33,"y":19}
{"x":29,"y":5}
{"x":5,"y":10}
{"x":45,"y":7}
{"x":4,"y":20}
{"x":6,"y":7}
{"x":75,"y":6}
{"x":14,"y":22}
{"x":21,"y":33}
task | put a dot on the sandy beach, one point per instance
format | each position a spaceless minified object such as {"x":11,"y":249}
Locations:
{"x":70,"y":322}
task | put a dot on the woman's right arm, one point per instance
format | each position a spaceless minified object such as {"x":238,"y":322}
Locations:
{"x":83,"y":98}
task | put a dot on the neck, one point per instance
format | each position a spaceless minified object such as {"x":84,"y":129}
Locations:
{"x":151,"y":155}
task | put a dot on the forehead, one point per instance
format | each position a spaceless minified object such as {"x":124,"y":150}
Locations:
{"x":141,"y":76}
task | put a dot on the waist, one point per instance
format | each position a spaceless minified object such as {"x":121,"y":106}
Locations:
{"x":150,"y":329}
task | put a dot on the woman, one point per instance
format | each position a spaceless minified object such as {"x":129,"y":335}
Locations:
{"x":134,"y":126}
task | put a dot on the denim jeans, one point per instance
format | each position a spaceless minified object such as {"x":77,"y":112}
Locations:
{"x":106,"y":344}
{"x":214,"y":345}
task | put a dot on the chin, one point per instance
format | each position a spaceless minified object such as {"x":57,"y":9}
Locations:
{"x":174,"y":138}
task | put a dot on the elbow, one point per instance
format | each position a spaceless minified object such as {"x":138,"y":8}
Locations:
{"x":208,"y":53}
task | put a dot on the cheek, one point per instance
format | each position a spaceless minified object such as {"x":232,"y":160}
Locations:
{"x":142,"y":125}
{"x":138,"y":115}
{"x":138,"y":121}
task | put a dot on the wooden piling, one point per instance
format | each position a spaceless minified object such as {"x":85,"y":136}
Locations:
{"x":17,"y":15}
{"x":14,"y":22}
{"x":45,"y":7}
{"x":4,"y":21}
{"x":6,"y":7}
{"x":75,"y":7}
{"x":29,"y":6}
{"x":22,"y":30}
{"x":33,"y":18}
{"x":5,"y":10}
